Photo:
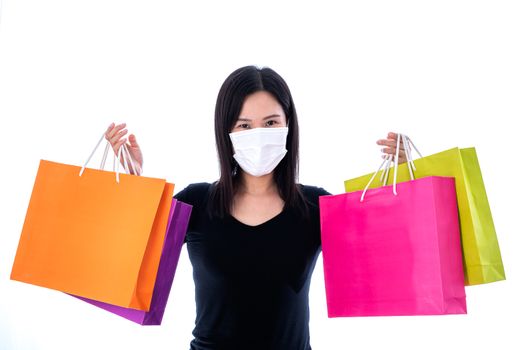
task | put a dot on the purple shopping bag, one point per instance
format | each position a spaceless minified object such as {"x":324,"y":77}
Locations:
{"x":176,"y":229}
{"x":393,"y":254}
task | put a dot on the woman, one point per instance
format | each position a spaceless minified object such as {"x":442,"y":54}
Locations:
{"x":254,"y":234}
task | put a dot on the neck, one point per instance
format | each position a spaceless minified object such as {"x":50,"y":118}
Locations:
{"x":257,"y":185}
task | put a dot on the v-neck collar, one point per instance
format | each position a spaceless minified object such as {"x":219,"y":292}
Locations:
{"x":265,"y":223}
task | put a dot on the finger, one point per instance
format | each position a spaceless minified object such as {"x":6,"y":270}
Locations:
{"x":393,"y":151}
{"x":392,"y":135}
{"x":390,"y":143}
{"x":394,"y":139}
{"x":118,"y":136}
{"x":114,"y":130}
{"x":119,"y":144}
{"x":110,"y":127}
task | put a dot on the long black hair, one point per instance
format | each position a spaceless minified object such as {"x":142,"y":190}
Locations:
{"x":237,"y":86}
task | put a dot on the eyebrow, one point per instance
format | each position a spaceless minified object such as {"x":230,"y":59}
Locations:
{"x":268,"y":117}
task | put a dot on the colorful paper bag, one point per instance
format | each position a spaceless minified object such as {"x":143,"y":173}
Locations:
{"x":391,"y":255}
{"x":93,"y":234}
{"x":481,"y":252}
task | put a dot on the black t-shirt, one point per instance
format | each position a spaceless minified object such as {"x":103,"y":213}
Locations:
{"x":251,"y":282}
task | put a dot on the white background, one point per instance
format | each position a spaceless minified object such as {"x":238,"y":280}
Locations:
{"x":446,"y":73}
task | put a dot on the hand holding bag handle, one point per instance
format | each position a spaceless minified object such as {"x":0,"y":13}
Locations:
{"x":411,"y":165}
{"x":125,"y":154}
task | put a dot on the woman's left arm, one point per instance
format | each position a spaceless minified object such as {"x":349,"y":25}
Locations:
{"x":391,"y":147}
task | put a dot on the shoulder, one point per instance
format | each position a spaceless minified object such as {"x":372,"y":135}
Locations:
{"x":313,"y":192}
{"x":193,"y":193}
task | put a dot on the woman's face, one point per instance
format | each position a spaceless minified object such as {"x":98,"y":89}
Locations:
{"x":260,"y":110}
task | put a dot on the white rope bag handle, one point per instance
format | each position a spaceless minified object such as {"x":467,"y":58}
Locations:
{"x":411,"y":165}
{"x":123,"y":152}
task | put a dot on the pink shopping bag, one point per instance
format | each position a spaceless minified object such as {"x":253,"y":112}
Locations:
{"x":393,"y":254}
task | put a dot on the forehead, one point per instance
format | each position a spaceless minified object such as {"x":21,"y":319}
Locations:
{"x":260,"y":104}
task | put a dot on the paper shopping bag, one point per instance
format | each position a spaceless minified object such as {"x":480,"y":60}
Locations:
{"x":392,"y":255}
{"x":481,"y":253}
{"x":92,"y":236}
{"x":179,"y":218}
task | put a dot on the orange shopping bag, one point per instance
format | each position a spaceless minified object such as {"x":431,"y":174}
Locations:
{"x":94,"y":233}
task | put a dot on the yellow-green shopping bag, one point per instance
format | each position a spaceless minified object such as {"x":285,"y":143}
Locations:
{"x":480,"y":249}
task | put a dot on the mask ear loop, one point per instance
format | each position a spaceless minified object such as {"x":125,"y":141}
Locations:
{"x":235,"y":168}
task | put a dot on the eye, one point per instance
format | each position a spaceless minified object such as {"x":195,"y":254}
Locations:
{"x":271,"y":122}
{"x":243,"y":126}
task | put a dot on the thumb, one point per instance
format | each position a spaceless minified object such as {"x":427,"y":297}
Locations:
{"x":132,"y":140}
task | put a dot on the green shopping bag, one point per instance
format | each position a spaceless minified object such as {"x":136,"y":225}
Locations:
{"x":480,"y":248}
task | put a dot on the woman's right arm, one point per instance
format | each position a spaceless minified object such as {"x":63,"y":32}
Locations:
{"x":115,"y":135}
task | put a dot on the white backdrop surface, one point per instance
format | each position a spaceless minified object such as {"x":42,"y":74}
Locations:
{"x":446,"y":73}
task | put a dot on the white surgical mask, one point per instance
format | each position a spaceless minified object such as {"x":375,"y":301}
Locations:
{"x":258,"y":151}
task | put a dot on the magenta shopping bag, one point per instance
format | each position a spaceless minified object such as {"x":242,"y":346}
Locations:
{"x":176,"y":229}
{"x":393,"y":254}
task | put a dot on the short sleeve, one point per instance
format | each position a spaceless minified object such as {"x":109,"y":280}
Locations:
{"x":322,"y":191}
{"x":193,"y":195}
{"x":312,"y":193}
